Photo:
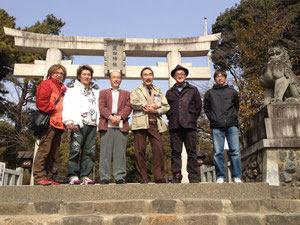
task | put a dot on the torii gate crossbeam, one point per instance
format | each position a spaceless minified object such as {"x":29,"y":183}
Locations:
{"x":56,"y":46}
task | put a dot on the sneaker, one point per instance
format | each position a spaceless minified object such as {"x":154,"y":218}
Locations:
{"x":54,"y":183}
{"x":237,"y":180}
{"x":194,"y":181}
{"x":74,"y":181}
{"x":220,"y":180}
{"x":86,"y":181}
{"x":43,"y":182}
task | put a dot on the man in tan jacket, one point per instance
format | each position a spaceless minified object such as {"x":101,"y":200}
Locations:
{"x":149,"y":104}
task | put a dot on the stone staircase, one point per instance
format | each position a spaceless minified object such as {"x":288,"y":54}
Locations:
{"x":143,"y":204}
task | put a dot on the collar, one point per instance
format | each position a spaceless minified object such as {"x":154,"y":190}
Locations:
{"x":220,"y":86}
{"x":79,"y":84}
{"x":58,"y":84}
{"x":148,"y":87}
{"x":144,"y":87}
{"x":184,"y":85}
{"x":55,"y":81}
{"x":112,"y":89}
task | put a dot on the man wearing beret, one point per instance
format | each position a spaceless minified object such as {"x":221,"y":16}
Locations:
{"x":185,"y":107}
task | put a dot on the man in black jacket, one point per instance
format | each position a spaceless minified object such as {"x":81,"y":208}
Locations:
{"x":185,"y":107}
{"x":221,"y":105}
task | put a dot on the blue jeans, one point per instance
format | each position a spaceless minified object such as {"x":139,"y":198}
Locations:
{"x":232,"y":136}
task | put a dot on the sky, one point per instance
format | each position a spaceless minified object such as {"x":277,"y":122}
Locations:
{"x":124,"y":19}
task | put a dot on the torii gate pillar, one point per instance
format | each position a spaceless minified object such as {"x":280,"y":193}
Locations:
{"x":53,"y":56}
{"x":173,"y":59}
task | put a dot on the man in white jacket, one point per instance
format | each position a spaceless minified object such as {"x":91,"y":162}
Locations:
{"x":81,"y":116}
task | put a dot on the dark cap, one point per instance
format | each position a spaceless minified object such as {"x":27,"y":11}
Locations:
{"x":179,"y":67}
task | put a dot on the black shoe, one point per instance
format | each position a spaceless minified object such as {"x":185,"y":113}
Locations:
{"x":194,"y":181}
{"x":161,"y":181}
{"x":104,"y":182}
{"x":120,"y":182}
{"x":177,"y":178}
{"x":143,"y":182}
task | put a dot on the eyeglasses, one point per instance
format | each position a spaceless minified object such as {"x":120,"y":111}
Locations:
{"x":147,"y":74}
{"x":59,"y":73}
{"x":180,"y":74}
{"x":86,"y":74}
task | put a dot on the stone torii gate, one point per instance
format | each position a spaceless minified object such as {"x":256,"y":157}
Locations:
{"x":115,"y":51}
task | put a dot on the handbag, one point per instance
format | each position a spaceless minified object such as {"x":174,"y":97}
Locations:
{"x":40,"y":119}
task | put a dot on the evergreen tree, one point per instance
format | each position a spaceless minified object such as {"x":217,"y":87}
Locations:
{"x":16,"y":110}
{"x":248,"y":30}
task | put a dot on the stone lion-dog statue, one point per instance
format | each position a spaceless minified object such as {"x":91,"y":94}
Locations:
{"x":278,"y":79}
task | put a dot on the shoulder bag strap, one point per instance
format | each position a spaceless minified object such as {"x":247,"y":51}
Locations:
{"x":57,"y":101}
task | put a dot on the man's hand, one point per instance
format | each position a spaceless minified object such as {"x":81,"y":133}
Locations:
{"x":154,"y":106}
{"x":71,"y":127}
{"x":115,"y":119}
{"x":150,"y":109}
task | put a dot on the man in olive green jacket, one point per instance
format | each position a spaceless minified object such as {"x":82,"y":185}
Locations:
{"x":149,"y":104}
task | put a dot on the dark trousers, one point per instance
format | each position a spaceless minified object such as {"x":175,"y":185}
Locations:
{"x":46,"y":154}
{"x":188,"y":137}
{"x":82,"y":151}
{"x":157,"y":150}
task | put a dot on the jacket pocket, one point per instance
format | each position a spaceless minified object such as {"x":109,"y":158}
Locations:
{"x":161,"y":125}
{"x":139,"y":121}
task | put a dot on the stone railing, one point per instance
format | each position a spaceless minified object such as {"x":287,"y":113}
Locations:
{"x":13,"y":177}
{"x":208,"y":174}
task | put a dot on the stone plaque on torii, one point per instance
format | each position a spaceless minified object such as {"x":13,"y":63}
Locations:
{"x":115,"y":51}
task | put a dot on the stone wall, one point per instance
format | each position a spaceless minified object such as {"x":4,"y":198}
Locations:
{"x":252,"y":168}
{"x":289,"y":167}
{"x":288,"y":161}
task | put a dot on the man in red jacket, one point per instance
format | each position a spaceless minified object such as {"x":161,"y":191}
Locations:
{"x":47,"y":93}
{"x":185,"y":107}
{"x":114,"y":107}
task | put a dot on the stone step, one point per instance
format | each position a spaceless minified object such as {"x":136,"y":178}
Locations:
{"x":68,"y":193}
{"x":156,"y":206}
{"x":158,"y":219}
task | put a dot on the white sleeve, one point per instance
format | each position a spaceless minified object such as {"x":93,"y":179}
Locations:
{"x":68,"y":107}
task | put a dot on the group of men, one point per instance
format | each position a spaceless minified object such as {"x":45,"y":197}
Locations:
{"x":182,"y":105}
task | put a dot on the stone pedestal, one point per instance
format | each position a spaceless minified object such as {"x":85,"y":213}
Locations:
{"x":272,"y":146}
